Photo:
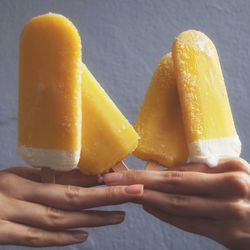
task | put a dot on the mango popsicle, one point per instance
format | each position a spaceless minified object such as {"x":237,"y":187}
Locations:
{"x":208,"y":121}
{"x":159,"y":122}
{"x":49,"y":119}
{"x":107,"y":136}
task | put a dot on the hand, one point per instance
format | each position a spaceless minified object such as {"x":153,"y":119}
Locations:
{"x":214,"y":202}
{"x":38,"y":214}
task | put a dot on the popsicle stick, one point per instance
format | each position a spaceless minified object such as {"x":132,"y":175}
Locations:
{"x":48,"y":175}
{"x":120,"y":166}
{"x":152,"y":166}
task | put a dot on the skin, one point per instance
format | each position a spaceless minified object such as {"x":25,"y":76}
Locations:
{"x":213,"y":202}
{"x":38,"y":214}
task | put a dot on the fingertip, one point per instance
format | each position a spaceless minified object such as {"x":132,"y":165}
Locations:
{"x":134,"y":190}
{"x":79,"y":236}
{"x":118,"y":217}
{"x":122,"y":213}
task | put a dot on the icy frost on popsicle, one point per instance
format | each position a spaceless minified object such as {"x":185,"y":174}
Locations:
{"x":159,"y":122}
{"x":49,"y":122}
{"x":208,"y":121}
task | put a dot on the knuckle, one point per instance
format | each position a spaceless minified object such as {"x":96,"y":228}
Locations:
{"x":177,"y":202}
{"x":5,"y":228}
{"x":132,"y":175}
{"x":54,"y":217}
{"x":239,"y":184}
{"x":173,"y":178}
{"x":237,"y":239}
{"x":237,"y":211}
{"x":111,"y":193}
{"x":72,"y":195}
{"x":6,"y":179}
{"x":33,"y":237}
{"x":237,"y":165}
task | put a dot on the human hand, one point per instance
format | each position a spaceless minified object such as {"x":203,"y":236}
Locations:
{"x":214,"y":202}
{"x":38,"y":214}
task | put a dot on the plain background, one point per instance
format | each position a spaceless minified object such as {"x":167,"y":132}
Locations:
{"x":123,"y":41}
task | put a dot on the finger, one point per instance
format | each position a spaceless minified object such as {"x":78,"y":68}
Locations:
{"x":194,"y":167}
{"x":32,"y":174}
{"x":67,"y":196}
{"x":190,"y":206}
{"x":50,"y":218}
{"x":17,"y":234}
{"x":74,"y":177}
{"x":203,"y":226}
{"x":234,"y":159}
{"x":72,"y":197}
{"x":225,"y":165}
{"x":178,"y":182}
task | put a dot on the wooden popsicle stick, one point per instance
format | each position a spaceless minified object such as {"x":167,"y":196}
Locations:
{"x":48,"y":175}
{"x":152,"y":166}
{"x":120,"y":166}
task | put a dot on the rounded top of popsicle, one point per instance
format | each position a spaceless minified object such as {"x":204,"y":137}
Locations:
{"x":166,"y":60}
{"x":164,"y":71}
{"x":196,"y":40}
{"x":53,"y":25}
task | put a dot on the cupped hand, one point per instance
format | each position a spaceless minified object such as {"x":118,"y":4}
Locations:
{"x":37,"y":214}
{"x":214,"y":202}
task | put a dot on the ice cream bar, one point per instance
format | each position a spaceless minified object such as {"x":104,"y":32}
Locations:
{"x":107,"y":136}
{"x":208,"y":121}
{"x":49,"y":120}
{"x":159,"y":122}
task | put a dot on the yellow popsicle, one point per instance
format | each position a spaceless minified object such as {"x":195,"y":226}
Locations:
{"x":159,"y":122}
{"x":49,"y":126}
{"x":107,"y":136}
{"x":208,"y":121}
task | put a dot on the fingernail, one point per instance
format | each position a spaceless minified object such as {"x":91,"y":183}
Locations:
{"x":112,"y":177}
{"x":134,"y":189}
{"x":119,"y":217}
{"x":79,"y":236}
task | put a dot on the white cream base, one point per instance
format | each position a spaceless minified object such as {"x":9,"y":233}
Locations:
{"x":211,"y":151}
{"x":55,"y":159}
